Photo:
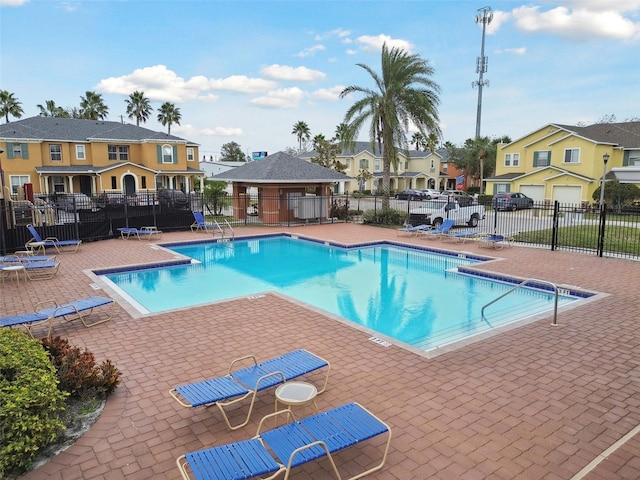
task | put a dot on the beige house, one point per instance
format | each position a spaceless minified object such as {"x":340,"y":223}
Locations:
{"x":565,"y":162}
{"x":65,"y":155}
{"x":419,"y":170}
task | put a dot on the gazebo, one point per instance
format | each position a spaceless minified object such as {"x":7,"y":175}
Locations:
{"x":283,"y":182}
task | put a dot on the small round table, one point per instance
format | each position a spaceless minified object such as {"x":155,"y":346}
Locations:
{"x":37,"y":247}
{"x":296,"y":393}
{"x":14,"y":269}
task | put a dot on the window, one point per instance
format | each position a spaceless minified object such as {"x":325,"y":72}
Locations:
{"x":55,"y":150}
{"x":190,"y":154}
{"x":445,"y":167}
{"x":511,"y":159}
{"x":16,"y":149}
{"x":542,"y":158}
{"x":114,"y":183}
{"x":118,"y":152}
{"x":17,"y":181}
{"x":433,"y":164}
{"x":143,"y":182}
{"x":406,"y":165}
{"x":364,"y":163}
{"x":58,"y":184}
{"x":80,"y":152}
{"x":377,"y":165}
{"x":502,"y":188}
{"x":167,"y":154}
{"x":572,"y":155}
{"x":631,"y":158}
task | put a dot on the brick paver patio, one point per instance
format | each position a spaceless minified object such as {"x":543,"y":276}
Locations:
{"x":535,"y":402}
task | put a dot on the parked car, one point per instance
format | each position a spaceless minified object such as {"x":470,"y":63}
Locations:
{"x":173,"y":198}
{"x":463,"y":198}
{"x":511,"y":201}
{"x":70,"y":202}
{"x":431,"y":194}
{"x":143,"y":199}
{"x":111,"y":200}
{"x":411,"y":195}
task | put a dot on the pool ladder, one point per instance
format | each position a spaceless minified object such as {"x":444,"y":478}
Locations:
{"x":222,"y":228}
{"x":524,"y":284}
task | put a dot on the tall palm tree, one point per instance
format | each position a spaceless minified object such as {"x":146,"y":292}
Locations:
{"x":344,"y":137}
{"x":168,"y":115}
{"x":418,"y":140}
{"x":9,"y":105}
{"x":405,"y":94}
{"x":138,"y":107}
{"x":302,"y":133}
{"x":92,"y":106}
{"x":50,"y":109}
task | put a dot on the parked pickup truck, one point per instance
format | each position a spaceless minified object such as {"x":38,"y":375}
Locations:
{"x":434,"y":212}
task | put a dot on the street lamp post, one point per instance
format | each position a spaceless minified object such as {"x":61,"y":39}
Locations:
{"x":605,"y":159}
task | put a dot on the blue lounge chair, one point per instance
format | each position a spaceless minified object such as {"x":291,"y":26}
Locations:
{"x":27,"y":258}
{"x":292,"y":445}
{"x":413,"y":231}
{"x":59,"y":245}
{"x":496,"y":241}
{"x":139,"y":233}
{"x":463,"y":235}
{"x":77,"y":309}
{"x":201,"y":224}
{"x":247,"y":382}
{"x":441,"y":231}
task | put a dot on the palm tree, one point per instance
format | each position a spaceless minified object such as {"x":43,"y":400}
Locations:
{"x":50,"y":109}
{"x":9,"y":105}
{"x":168,"y":115}
{"x":302,"y":132}
{"x":138,"y":107}
{"x":418,"y":139}
{"x":344,"y":137}
{"x":92,"y":106}
{"x":405,"y":94}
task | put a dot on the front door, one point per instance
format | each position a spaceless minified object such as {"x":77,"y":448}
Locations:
{"x":129,"y":185}
{"x":85,"y":185}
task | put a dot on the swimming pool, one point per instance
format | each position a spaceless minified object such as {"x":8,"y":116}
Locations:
{"x":415,"y":296}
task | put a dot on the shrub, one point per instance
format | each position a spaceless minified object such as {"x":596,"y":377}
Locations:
{"x":29,"y":400}
{"x":388,"y":216}
{"x":339,"y":209}
{"x":77,"y":371}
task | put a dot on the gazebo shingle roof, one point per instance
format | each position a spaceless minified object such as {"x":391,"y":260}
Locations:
{"x":281,"y":167}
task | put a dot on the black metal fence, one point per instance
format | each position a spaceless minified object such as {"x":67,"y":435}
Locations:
{"x":552,"y":225}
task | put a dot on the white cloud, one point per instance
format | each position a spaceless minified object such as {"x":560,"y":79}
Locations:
{"x":13,"y":3}
{"x":586,"y":21}
{"x":330,"y":94}
{"x":338,"y":32}
{"x":514,"y":51}
{"x":191,"y":131}
{"x":351,"y":52}
{"x":499,"y":17}
{"x":281,"y":98}
{"x":70,"y":7}
{"x":242,"y":84}
{"x":374,"y":44}
{"x":160,"y":83}
{"x":284,"y":72}
{"x":310,"y":51}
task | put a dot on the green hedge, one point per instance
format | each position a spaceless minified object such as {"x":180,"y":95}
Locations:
{"x":29,"y":400}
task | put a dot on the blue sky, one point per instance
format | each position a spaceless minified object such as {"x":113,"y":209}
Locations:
{"x":247,"y":71}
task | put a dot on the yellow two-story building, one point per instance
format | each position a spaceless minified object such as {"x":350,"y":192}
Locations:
{"x":565,"y":163}
{"x":418,"y":171}
{"x":64,"y":155}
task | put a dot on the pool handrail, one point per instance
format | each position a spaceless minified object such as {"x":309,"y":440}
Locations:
{"x":523,"y":284}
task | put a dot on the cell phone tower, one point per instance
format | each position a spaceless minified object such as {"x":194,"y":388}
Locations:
{"x":484,"y":16}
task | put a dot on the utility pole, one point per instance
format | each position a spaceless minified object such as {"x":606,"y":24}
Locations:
{"x":484,"y":17}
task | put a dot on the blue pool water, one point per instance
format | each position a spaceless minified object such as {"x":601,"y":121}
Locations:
{"x":411,"y":295}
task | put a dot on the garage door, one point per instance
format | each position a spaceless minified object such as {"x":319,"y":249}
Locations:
{"x":567,"y":194}
{"x":533,"y":191}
